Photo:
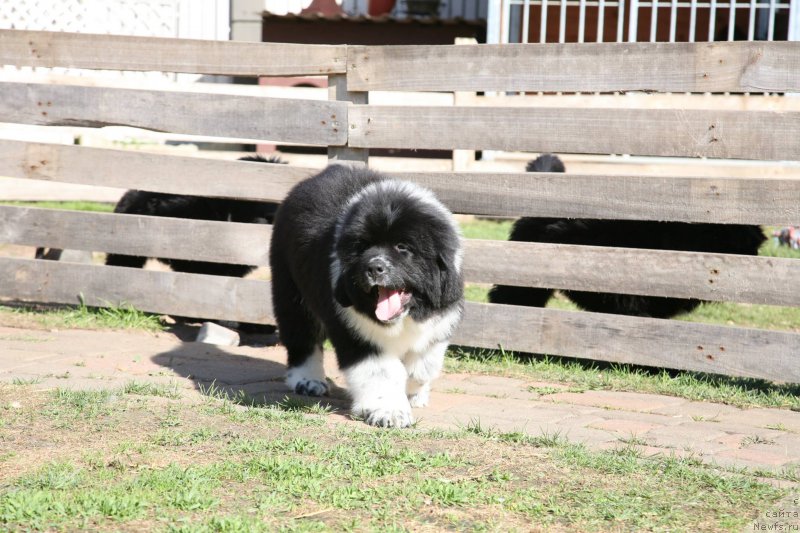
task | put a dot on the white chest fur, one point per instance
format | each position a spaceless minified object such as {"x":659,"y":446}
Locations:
{"x":404,"y":336}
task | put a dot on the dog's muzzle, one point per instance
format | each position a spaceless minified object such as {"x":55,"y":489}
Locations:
{"x":378,"y":272}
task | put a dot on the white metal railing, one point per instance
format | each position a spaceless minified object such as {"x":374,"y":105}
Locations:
{"x":512,"y":20}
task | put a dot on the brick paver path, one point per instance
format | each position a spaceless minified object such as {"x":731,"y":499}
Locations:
{"x":760,"y":438}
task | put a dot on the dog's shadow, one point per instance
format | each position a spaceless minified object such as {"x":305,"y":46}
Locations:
{"x":244,"y":379}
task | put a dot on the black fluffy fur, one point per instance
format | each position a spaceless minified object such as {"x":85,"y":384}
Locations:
{"x":196,"y":208}
{"x":715,"y":238}
{"x":318,"y":271}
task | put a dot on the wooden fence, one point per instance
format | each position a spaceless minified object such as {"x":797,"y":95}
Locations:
{"x":349,"y":126}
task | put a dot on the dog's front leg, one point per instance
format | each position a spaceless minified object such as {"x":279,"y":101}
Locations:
{"x":378,"y":387}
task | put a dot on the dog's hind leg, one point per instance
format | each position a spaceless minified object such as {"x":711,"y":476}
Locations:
{"x":302,"y":335}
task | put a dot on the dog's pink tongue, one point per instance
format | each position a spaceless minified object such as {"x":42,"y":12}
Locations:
{"x":389,"y":304}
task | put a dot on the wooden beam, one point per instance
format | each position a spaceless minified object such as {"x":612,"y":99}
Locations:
{"x":216,"y":115}
{"x":683,"y":199}
{"x":765,"y":135}
{"x":651,"y":342}
{"x":195,"y":295}
{"x":577,"y":67}
{"x":80,"y":50}
{"x":705,"y":276}
{"x":129,"y":169}
{"x":769,"y":201}
{"x":144,"y":236}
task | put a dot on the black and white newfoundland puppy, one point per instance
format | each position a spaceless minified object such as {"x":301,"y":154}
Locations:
{"x":156,"y":204}
{"x":374,"y":265}
{"x":714,"y":238}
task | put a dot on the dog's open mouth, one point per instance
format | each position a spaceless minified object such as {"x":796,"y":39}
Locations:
{"x":391,"y":303}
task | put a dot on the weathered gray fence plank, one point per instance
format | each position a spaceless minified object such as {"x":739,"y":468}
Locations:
{"x":80,"y":50}
{"x":766,"y":135}
{"x":641,"y":341}
{"x":717,"y":277}
{"x":591,"y":67}
{"x":151,"y":172}
{"x":688,"y":199}
{"x":212,"y":297}
{"x":202,"y":240}
{"x":244,"y":117}
{"x":683,"y":199}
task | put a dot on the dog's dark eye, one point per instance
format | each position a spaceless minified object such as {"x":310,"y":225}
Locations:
{"x":403,"y":248}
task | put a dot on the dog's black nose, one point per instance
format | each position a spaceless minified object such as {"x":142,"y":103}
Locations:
{"x":377,"y":267}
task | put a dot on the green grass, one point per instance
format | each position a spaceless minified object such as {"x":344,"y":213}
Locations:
{"x":213,"y":471}
{"x":771,"y":247}
{"x":582,"y":375}
{"x":81,"y":317}
{"x":152,"y":389}
{"x":490,"y":229}
{"x":81,"y":403}
{"x":77,"y":205}
{"x":26,"y":381}
{"x":746,"y":315}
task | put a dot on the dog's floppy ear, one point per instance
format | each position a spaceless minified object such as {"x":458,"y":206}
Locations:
{"x":340,"y":292}
{"x":451,"y":282}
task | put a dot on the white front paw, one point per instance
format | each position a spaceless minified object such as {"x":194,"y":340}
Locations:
{"x":378,"y":387}
{"x":388,"y":418}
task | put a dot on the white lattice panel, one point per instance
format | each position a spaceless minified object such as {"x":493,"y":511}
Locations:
{"x":158,"y":18}
{"x":204,"y":19}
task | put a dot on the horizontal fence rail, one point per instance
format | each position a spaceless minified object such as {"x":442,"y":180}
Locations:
{"x":769,"y":201}
{"x":247,"y":117}
{"x":210,"y":297}
{"x":763,"y":135}
{"x":592,"y":67}
{"x":145,"y":236}
{"x":117,"y":52}
{"x":716,"y":277}
{"x":639,"y":341}
{"x":705,"y":276}
{"x":603,"y":67}
{"x":150,"y":172}
{"x":680,"y":199}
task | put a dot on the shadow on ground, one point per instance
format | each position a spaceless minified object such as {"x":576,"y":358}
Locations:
{"x":255,"y":335}
{"x":244,"y":378}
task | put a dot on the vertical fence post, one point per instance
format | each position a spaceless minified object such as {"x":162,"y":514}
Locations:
{"x":463,"y":159}
{"x":337,"y":90}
